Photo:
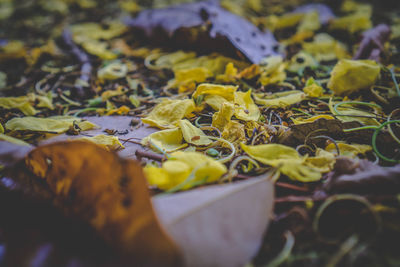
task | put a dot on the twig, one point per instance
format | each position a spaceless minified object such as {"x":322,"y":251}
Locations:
{"x":83,"y":58}
{"x":149,"y":155}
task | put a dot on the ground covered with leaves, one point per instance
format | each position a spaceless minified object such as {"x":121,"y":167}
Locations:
{"x":304,"y":92}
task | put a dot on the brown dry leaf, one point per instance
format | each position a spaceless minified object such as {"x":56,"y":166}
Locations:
{"x":297,"y":134}
{"x":214,"y":226}
{"x":104,"y":191}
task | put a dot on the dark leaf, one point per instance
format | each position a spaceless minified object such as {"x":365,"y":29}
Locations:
{"x":218,"y":30}
{"x":372,"y":43}
{"x":363,"y":176}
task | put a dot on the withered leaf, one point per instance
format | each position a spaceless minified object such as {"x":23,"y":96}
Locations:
{"x":297,"y":134}
{"x":216,"y":29}
{"x":363,"y":177}
{"x":107,"y":193}
{"x":373,"y":42}
{"x":214,"y":226}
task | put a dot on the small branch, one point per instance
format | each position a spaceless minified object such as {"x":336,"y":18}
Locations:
{"x":149,"y":155}
{"x":82,"y":57}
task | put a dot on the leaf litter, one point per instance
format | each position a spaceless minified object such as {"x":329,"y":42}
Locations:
{"x":304,"y":93}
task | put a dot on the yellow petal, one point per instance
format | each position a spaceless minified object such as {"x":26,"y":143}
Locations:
{"x":55,"y":124}
{"x":234,"y":133}
{"x":107,"y":141}
{"x":223,"y":116}
{"x":206,"y":168}
{"x":193,"y":135}
{"x":311,"y":119}
{"x":349,"y":150}
{"x":352,"y":23}
{"x":313,"y":90}
{"x":225,"y":91}
{"x":326,"y":48}
{"x":215,"y":101}
{"x":168,"y":140}
{"x":122,"y":110}
{"x":157,"y":177}
{"x":169,"y":112}
{"x":282,"y":100}
{"x":183,"y":166}
{"x":186,"y":77}
{"x":286,"y":159}
{"x":113,"y":71}
{"x":245,"y":109}
{"x":20,"y":102}
{"x":323,"y":161}
{"x":310,"y":22}
{"x":229,"y":75}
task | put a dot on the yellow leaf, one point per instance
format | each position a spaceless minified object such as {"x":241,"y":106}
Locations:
{"x":285,"y":159}
{"x":168,"y":140}
{"x":55,"y":124}
{"x":185,"y":169}
{"x":168,"y":113}
{"x":348,"y":150}
{"x":106,"y":141}
{"x":222,"y":117}
{"x":193,"y":135}
{"x":349,"y":76}
{"x":20,"y":102}
{"x":225,"y":91}
{"x":282,"y":99}
{"x":1,"y":128}
{"x":245,"y":109}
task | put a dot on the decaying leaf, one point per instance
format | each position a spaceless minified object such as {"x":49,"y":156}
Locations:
{"x":107,"y":193}
{"x":373,"y":43}
{"x":297,"y":134}
{"x":364,"y":177}
{"x":228,"y":232}
{"x":226,"y":32}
